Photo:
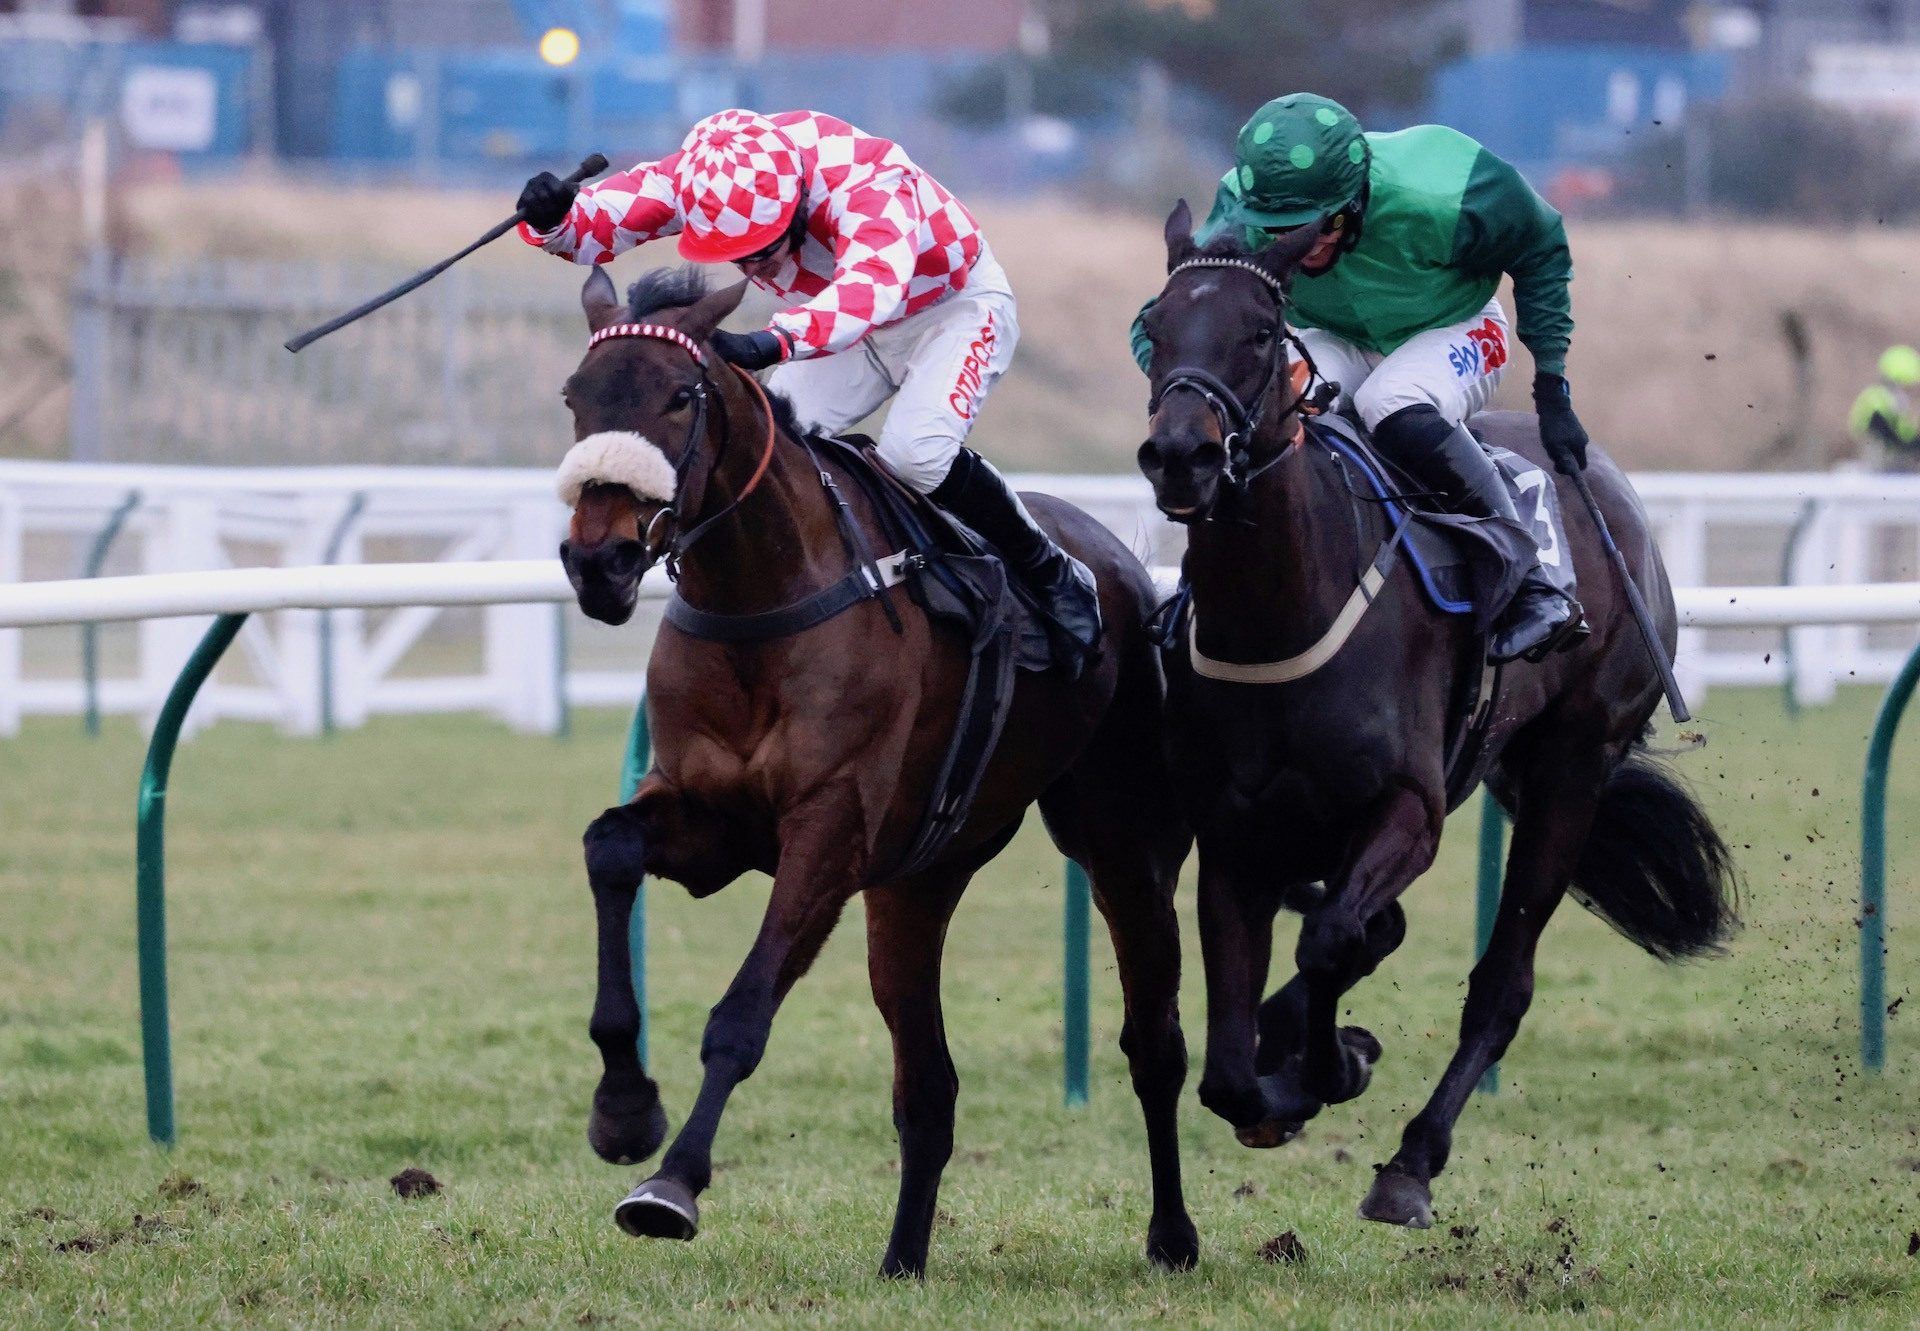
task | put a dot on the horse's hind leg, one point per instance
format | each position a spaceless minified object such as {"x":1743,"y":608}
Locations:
{"x":1558,"y":797}
{"x":627,"y":1123}
{"x":1132,"y":855}
{"x":906,"y":936}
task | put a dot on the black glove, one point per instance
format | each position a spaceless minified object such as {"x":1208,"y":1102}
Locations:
{"x":546,"y":201}
{"x":1561,"y":433}
{"x":750,"y":351}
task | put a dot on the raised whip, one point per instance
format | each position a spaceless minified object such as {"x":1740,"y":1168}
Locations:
{"x":592,"y":166}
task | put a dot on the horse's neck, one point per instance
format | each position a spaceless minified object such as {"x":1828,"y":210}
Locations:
{"x":1268,"y":586}
{"x":779,"y":544}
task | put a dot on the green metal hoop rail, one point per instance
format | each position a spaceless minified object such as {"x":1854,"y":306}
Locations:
{"x":151,"y":886}
{"x":156,"y":1043}
{"x":1873,"y":865}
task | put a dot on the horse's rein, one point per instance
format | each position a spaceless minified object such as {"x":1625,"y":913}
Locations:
{"x":1238,"y":422}
{"x":683,"y":541}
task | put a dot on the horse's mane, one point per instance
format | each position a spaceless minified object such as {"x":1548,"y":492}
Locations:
{"x":675,"y":289}
{"x":1226,"y":245}
{"x":665,"y":289}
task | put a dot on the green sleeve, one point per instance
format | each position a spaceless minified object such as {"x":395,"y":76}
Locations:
{"x":1142,"y":348}
{"x":1505,"y":227}
{"x":1222,"y":200}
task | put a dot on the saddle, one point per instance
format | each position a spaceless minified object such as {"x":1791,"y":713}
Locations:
{"x":950,"y":572}
{"x":1459,"y":569}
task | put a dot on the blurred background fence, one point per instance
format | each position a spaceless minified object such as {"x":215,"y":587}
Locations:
{"x":180,"y":361}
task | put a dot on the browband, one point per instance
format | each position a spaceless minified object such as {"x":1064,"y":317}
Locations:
{"x":660,"y":331}
{"x":1246,"y":265}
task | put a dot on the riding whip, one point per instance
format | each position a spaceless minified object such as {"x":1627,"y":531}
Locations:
{"x":592,"y":166}
{"x":1641,"y":615}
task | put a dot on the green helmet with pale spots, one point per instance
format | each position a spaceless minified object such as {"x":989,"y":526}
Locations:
{"x":1299,"y":159}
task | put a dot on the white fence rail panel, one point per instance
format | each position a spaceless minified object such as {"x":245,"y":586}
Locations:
{"x":1860,"y":528}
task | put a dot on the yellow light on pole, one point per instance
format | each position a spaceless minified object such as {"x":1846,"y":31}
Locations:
{"x":559,"y":46}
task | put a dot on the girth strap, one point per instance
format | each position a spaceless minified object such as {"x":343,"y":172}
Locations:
{"x":818,"y":608}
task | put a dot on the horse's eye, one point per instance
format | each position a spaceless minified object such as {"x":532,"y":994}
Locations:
{"x":682,"y":397}
{"x":1264,"y":337}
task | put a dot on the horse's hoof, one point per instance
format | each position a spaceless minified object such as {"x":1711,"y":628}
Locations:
{"x":900,"y":1268}
{"x":1174,"y":1247}
{"x":1398,"y":1198}
{"x":626,"y":1127}
{"x":1359,"y":1051}
{"x":660,"y":1208}
{"x":1269,"y":1133}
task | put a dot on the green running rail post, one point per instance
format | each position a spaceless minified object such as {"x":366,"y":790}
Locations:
{"x":1873,"y":866}
{"x":90,"y":633}
{"x":1074,"y":1002}
{"x":639,"y":758}
{"x":1493,"y":844}
{"x":150,"y":859}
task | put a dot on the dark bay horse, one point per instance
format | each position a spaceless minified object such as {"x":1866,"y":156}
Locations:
{"x":810,"y":756}
{"x":1326,"y":794}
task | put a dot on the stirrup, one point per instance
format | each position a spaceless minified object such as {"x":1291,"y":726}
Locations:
{"x":1573,"y":631}
{"x":1565,"y":636}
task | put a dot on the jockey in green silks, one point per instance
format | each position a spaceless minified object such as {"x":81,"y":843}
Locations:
{"x":1396,"y":305}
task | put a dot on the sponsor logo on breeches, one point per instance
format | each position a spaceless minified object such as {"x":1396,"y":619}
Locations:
{"x":972,"y":380}
{"x":1484,"y":351}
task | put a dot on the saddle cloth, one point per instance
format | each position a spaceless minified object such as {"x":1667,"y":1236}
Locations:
{"x":1453,"y":563}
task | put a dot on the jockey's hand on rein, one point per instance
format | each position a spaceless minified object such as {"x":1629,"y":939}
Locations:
{"x":546,"y":200}
{"x":750,"y":351}
{"x":1561,"y":433}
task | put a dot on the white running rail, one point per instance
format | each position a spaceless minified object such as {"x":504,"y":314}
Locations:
{"x":1855,"y":529}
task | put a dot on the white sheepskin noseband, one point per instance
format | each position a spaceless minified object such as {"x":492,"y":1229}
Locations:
{"x":615,"y":457}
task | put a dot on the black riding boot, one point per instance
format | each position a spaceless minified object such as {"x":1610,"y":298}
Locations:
{"x":978,"y":495}
{"x":1446,"y":458}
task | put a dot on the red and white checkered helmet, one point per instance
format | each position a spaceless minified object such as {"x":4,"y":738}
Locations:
{"x":739,"y":181}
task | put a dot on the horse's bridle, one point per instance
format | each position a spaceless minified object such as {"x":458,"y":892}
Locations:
{"x":1238,"y":421}
{"x":682,"y":541}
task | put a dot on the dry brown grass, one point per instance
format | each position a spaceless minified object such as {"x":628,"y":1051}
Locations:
{"x":1679,"y":361}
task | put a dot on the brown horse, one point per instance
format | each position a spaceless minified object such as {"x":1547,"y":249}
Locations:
{"x":811,"y":755}
{"x":1335,"y":770}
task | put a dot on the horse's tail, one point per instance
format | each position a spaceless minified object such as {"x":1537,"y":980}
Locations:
{"x":1654,"y":867}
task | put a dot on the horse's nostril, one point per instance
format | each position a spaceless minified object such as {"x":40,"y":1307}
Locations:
{"x":625,"y":558}
{"x":1149,"y":456}
{"x":1209,"y":457}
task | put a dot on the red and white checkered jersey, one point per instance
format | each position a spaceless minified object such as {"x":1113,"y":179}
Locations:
{"x":884,"y":239}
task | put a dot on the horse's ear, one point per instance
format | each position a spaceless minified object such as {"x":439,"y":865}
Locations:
{"x":601,"y":301}
{"x":1179,"y":235}
{"x":702,"y":318}
{"x":1284,"y":254}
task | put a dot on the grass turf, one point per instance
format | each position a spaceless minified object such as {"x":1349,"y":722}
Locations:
{"x":382,"y":957}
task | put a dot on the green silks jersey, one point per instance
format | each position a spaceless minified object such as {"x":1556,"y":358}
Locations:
{"x":1445,"y":219}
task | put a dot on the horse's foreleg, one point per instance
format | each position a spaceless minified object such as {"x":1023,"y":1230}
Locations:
{"x":906,"y":935}
{"x":811,"y":886}
{"x":1236,"y":943}
{"x":1346,"y":936}
{"x":627,"y":1123}
{"x":1557,"y":803}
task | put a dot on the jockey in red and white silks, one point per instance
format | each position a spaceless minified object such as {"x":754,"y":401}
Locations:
{"x":895,"y":296}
